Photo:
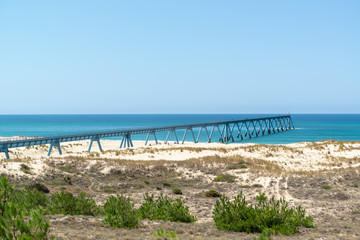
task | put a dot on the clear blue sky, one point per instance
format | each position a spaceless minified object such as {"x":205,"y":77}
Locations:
{"x":73,"y":56}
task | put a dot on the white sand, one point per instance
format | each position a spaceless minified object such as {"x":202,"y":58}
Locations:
{"x":324,"y":155}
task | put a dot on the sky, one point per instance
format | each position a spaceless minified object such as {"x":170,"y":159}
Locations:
{"x":179,"y":56}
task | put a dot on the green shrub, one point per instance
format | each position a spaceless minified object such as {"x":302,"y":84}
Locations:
{"x":225,"y":178}
{"x":67,"y":169}
{"x":13,"y":223}
{"x":326,"y":187}
{"x":237,"y":166}
{"x":166,"y":184}
{"x":25,"y":168}
{"x":27,"y":199}
{"x":40,"y":187}
{"x":177,"y":191}
{"x":147,"y":182}
{"x":212,"y":193}
{"x":109,"y":190}
{"x":66,"y":203}
{"x":119,"y":212}
{"x":164,"y":234}
{"x":266,"y":214}
{"x":165,"y":208}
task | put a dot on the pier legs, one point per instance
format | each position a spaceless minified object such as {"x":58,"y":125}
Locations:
{"x":183,"y":140}
{"x":5,"y":150}
{"x":192,"y":134}
{"x":97,"y":139}
{"x":54,"y":144}
{"x":206,"y":131}
{"x":126,"y":141}
{"x":147,"y":138}
{"x":168,"y":135}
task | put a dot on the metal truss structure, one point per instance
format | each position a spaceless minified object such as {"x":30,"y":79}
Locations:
{"x":227,"y":132}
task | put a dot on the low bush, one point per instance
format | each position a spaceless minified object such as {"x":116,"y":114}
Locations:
{"x":66,"y":203}
{"x":119,"y":212}
{"x":177,"y":191}
{"x":27,"y":199}
{"x":236,"y":166}
{"x":15,"y":222}
{"x":25,"y":168}
{"x":40,"y":187}
{"x":266,"y":215}
{"x":225,"y":178}
{"x":212,"y":193}
{"x":164,"y":234}
{"x":165,"y":208}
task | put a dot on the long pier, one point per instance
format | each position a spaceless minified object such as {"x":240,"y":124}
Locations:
{"x":227,"y":131}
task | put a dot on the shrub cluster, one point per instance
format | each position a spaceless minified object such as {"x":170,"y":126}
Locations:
{"x":212,"y":193}
{"x":22,"y":212}
{"x":16,"y":220}
{"x":66,"y":203}
{"x":119,"y":212}
{"x":165,"y":208}
{"x":161,"y":233}
{"x":266,"y":215}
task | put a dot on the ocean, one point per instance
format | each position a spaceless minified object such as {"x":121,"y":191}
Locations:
{"x":309,"y":127}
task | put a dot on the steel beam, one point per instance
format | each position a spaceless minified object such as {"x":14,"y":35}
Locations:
{"x":96,"y":139}
{"x":54,"y":144}
{"x":274,"y":123}
{"x":4,"y":149}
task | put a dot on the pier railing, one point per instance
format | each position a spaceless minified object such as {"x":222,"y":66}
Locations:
{"x":227,"y":132}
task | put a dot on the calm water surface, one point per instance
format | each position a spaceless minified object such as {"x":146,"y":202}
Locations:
{"x":309,"y":127}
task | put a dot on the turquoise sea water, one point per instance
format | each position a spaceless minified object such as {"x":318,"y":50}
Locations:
{"x":309,"y":127}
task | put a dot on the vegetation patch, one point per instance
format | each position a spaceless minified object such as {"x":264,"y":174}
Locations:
{"x":266,"y":214}
{"x":109,"y":190}
{"x":66,"y":203}
{"x":119,"y":212}
{"x":67,"y":169}
{"x":40,"y":187}
{"x":239,"y":165}
{"x":225,"y":178}
{"x":25,"y":168}
{"x":160,"y":232}
{"x":16,"y":221}
{"x":212,"y":193}
{"x":326,"y":187}
{"x":165,"y":208}
{"x":177,"y":191}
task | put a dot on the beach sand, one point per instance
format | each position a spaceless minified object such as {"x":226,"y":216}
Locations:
{"x":296,"y":172}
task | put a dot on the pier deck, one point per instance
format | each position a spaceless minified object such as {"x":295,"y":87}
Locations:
{"x":227,"y":131}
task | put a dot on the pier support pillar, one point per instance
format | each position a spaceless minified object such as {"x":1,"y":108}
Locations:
{"x":126,"y":141}
{"x":96,"y":139}
{"x":192,"y":134}
{"x":148,"y":136}
{"x":206,"y":131}
{"x":168,"y":135}
{"x":5,"y":150}
{"x":220,"y":134}
{"x":55,"y":143}
{"x":183,"y":140}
